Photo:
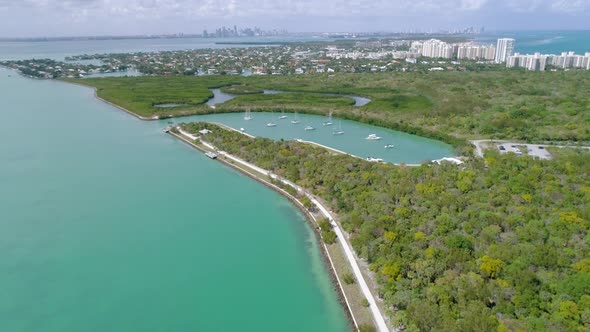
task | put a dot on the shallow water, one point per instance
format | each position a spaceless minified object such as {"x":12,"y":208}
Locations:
{"x":409,"y":149}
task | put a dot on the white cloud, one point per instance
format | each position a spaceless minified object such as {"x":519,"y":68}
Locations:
{"x":571,"y":6}
{"x":330,"y":8}
{"x":139,"y":16}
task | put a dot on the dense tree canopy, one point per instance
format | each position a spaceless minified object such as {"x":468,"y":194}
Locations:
{"x":493,"y":246}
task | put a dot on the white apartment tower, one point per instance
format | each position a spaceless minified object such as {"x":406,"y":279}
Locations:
{"x":504,"y":49}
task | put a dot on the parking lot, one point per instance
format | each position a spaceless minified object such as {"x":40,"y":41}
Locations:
{"x":534,"y":150}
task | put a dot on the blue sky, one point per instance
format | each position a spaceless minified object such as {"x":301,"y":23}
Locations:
{"x":23,"y":18}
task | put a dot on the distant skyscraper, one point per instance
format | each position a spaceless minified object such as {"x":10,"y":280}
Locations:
{"x":504,"y":49}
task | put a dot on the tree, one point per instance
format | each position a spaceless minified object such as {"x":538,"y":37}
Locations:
{"x":490,"y":267}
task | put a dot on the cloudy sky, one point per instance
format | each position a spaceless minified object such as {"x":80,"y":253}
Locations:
{"x":26,"y":18}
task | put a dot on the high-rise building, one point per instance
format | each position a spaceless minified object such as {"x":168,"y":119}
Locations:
{"x":534,"y":62}
{"x":434,"y":48}
{"x":475,"y":52}
{"x":504,"y":49}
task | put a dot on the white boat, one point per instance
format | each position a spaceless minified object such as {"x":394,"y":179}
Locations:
{"x":309,"y":128}
{"x":296,"y":120}
{"x":242,"y":129}
{"x":374,"y":160}
{"x":248,"y":115}
{"x":271,"y":124}
{"x":338,"y":131}
{"x":373,"y":137}
{"x":389,"y":146}
{"x":329,"y":121}
{"x":283,"y":116}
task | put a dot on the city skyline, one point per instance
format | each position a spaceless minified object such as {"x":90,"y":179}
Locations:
{"x":34,"y":18}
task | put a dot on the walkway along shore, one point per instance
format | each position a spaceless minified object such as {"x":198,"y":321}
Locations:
{"x":376,"y":313}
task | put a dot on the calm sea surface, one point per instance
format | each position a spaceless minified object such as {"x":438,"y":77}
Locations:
{"x":58,"y":50}
{"x":546,"y":42}
{"x":408,"y":149}
{"x":107,"y":224}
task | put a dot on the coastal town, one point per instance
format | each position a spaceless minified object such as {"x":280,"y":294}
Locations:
{"x":449,"y":53}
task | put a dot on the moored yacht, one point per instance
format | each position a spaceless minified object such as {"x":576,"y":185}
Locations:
{"x":338,"y":131}
{"x":248,"y":115}
{"x":373,"y":137}
{"x":329,"y":121}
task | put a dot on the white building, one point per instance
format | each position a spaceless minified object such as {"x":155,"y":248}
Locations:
{"x":434,"y":48}
{"x":533,"y":62}
{"x":504,"y":49}
{"x":476,"y":52}
{"x":539,"y":61}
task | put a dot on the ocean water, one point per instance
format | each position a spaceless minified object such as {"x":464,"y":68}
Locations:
{"x":545,"y":42}
{"x":58,"y":50}
{"x":108,"y":224}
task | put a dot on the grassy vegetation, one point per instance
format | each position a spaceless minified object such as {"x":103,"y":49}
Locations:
{"x":500,"y":245}
{"x":242,"y":89}
{"x":285,"y":100}
{"x":140,"y":94}
{"x":450,"y":106}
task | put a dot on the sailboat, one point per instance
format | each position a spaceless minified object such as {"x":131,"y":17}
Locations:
{"x":271,"y":124}
{"x":283,"y":116}
{"x":296,"y":120}
{"x":329,"y":121}
{"x":248,"y":115}
{"x":339,"y":131}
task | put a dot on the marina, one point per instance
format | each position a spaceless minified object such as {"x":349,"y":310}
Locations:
{"x":347,"y":136}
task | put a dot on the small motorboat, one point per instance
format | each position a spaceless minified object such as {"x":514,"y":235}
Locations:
{"x":373,"y":137}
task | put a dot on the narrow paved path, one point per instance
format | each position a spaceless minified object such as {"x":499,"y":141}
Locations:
{"x":377,"y":316}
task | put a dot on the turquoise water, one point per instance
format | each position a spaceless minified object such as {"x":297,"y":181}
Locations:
{"x":107,"y":224}
{"x":407,"y":149}
{"x":546,"y":42}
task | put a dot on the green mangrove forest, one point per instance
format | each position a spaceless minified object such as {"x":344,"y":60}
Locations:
{"x":497,"y":244}
{"x":449,"y":106}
